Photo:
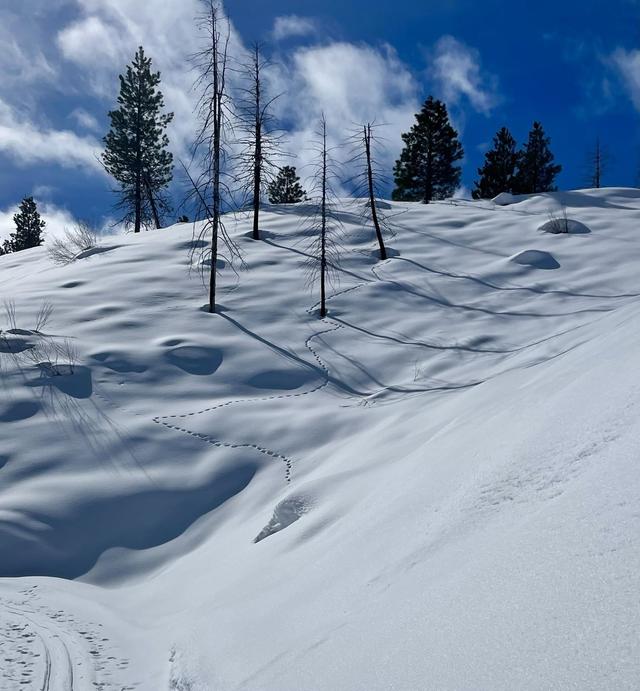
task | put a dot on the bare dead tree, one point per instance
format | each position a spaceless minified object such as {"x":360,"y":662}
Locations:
{"x":208,"y":188}
{"x":597,"y":164}
{"x":325,"y":227}
{"x":369,"y":179}
{"x":260,"y":140}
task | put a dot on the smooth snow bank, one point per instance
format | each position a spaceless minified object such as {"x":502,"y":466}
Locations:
{"x":504,"y":199}
{"x":434,"y":488}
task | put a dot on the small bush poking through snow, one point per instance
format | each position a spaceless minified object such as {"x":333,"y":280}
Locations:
{"x":558,"y":221}
{"x":80,"y":238}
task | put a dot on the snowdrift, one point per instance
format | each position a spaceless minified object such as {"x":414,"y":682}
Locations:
{"x":436,"y":487}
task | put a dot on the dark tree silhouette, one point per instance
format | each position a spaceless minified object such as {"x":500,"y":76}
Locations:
{"x":499,"y":169}
{"x":260,"y":140}
{"x":211,"y":147}
{"x":597,"y":164}
{"x":29,"y":228}
{"x":136,"y":153}
{"x":369,"y":180}
{"x":325,"y":227}
{"x":426,"y":169}
{"x":286,"y":187}
{"x":536,"y":168}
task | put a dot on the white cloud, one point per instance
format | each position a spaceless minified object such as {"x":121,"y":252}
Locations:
{"x":106,"y":35}
{"x":627,"y":65}
{"x":19,"y":68}
{"x":91,"y":42}
{"x":22,"y":60}
{"x":292,"y":25}
{"x":351,"y":84}
{"x":26,"y":143}
{"x":455,"y":68}
{"x":85,"y":120}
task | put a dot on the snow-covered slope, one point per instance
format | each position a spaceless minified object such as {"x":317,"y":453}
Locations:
{"x":436,"y":487}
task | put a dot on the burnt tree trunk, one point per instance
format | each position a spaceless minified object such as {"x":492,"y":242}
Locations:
{"x":257,"y":161}
{"x":372,"y":196}
{"x":323,"y":227}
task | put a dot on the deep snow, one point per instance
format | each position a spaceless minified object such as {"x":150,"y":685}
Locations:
{"x":434,"y":488}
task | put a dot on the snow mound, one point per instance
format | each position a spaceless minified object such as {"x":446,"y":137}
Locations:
{"x":537,"y":259}
{"x":558,"y":226}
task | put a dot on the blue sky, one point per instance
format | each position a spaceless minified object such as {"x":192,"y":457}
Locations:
{"x":573,"y":65}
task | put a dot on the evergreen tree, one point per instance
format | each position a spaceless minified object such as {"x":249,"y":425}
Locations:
{"x":286,"y":188}
{"x":426,"y":169}
{"x":497,"y":173}
{"x":29,"y":228}
{"x":136,"y":152}
{"x":536,"y":169}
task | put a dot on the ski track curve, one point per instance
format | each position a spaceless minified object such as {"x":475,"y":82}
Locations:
{"x":50,"y":650}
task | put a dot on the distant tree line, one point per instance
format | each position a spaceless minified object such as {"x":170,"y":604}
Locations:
{"x":529,"y":171}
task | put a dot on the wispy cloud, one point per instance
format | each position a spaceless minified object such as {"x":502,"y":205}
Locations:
{"x":85,"y":119}
{"x":351,"y":84}
{"x":292,"y":25}
{"x":456,"y":70}
{"x":627,"y":64}
{"x":27,"y":143}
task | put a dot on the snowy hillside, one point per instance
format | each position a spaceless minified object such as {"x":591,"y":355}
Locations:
{"x":435,"y":488}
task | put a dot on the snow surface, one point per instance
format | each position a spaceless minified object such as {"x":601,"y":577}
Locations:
{"x":436,"y":487}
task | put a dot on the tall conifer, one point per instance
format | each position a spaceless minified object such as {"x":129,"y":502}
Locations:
{"x":536,"y":168}
{"x":29,"y":228}
{"x":286,"y":187}
{"x":136,"y":153}
{"x":497,"y":173}
{"x":427,"y":169}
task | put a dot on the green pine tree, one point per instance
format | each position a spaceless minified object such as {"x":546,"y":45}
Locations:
{"x":497,"y":173}
{"x":536,"y":168}
{"x":427,"y":169}
{"x":136,"y":152}
{"x":286,"y":187}
{"x":29,"y":228}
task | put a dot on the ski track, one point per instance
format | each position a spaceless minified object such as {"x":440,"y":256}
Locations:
{"x":42,"y":649}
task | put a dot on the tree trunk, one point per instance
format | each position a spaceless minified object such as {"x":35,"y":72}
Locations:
{"x":323,"y":230}
{"x":428,"y":193}
{"x":138,"y":204}
{"x":372,"y":198}
{"x":257,"y":160}
{"x":217,"y":142}
{"x":152,"y":201}
{"x":257,"y":183}
{"x":138,"y":189}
